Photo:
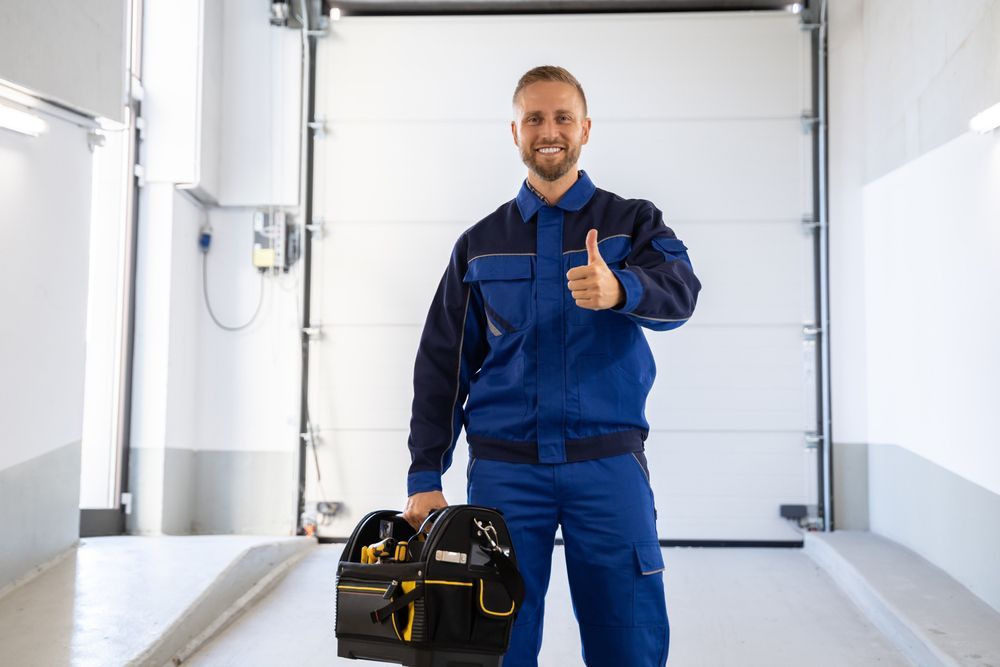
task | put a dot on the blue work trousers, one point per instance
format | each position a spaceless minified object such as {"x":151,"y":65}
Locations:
{"x":613,"y":558}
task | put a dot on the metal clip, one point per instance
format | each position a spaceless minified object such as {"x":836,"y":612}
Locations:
{"x":486,"y":530}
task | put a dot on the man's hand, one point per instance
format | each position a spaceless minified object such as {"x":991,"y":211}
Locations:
{"x":595,"y":286}
{"x":419,"y":505}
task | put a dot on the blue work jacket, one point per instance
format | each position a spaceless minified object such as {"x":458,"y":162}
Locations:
{"x":546,"y":380}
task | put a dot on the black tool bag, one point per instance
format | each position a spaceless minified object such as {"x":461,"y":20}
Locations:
{"x":446,"y":597}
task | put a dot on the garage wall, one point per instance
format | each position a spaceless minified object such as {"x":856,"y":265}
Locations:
{"x":44,"y":220}
{"x":916,"y":201}
{"x":699,"y":113}
{"x":216,"y":413}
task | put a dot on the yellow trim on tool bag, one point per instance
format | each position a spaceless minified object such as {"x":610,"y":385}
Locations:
{"x":360,"y":588}
{"x":450,"y":583}
{"x":482,"y":605}
{"x":407,"y":635}
{"x":408,"y":630}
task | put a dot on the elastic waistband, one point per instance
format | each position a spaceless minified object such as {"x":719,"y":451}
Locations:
{"x":583,"y":449}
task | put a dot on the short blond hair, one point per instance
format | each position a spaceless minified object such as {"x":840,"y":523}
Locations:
{"x":549,"y":73}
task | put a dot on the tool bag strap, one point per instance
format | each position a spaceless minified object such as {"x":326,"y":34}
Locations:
{"x":380,"y":615}
{"x":509,"y":576}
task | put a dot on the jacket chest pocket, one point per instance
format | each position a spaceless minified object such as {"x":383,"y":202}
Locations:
{"x":614,"y":251}
{"x":506,"y":284}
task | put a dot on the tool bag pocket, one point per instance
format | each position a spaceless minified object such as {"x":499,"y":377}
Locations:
{"x":493,"y":615}
{"x":364,"y":589}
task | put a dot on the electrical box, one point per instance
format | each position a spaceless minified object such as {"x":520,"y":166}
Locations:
{"x":275,"y":240}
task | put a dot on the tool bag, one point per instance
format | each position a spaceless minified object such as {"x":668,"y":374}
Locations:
{"x":446,"y":597}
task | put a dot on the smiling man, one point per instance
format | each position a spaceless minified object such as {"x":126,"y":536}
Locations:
{"x":538,"y":321}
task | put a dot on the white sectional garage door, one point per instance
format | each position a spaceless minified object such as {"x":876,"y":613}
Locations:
{"x":699,"y":113}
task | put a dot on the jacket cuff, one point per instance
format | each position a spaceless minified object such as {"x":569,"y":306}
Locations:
{"x":425,"y":480}
{"x":632,"y":287}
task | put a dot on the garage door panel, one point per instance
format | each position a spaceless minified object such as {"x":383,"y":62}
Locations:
{"x":749,"y":269}
{"x":763,"y":81}
{"x":701,"y":171}
{"x":380,"y":273}
{"x":699,"y":477}
{"x":708,"y":170}
{"x":369,"y":468}
{"x":725,"y":378}
{"x":361,"y":377}
{"x":697,"y":113}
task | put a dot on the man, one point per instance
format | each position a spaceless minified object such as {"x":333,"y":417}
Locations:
{"x":538,"y":321}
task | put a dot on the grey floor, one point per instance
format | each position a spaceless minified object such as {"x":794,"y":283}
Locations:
{"x":743,"y":607}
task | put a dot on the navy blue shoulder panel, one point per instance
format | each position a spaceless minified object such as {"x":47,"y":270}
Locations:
{"x":504,"y":232}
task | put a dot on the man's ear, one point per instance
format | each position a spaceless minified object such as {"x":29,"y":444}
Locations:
{"x":513,"y":131}
{"x":586,"y":130}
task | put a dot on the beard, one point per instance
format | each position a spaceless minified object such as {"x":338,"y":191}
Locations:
{"x":550,"y":170}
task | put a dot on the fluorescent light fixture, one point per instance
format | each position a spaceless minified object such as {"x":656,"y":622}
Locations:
{"x":21,"y":121}
{"x":795,"y":8}
{"x":334,"y":13}
{"x":986,"y":121}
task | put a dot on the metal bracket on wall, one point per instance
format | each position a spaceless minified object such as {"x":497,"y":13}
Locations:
{"x":808,"y":120}
{"x":811,"y":331}
{"x":314,"y":332}
{"x":810,"y":223}
{"x":318,"y":126}
{"x":813,"y":439}
{"x":318,"y":228}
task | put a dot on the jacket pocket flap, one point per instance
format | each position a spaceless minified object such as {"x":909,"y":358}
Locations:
{"x":499,"y":267}
{"x":671,"y":246}
{"x":649,"y":557}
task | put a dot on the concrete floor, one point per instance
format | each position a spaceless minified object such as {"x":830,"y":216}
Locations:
{"x":112,"y":601}
{"x":743,"y":607}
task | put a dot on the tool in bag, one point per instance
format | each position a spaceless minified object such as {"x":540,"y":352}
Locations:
{"x":445,"y":595}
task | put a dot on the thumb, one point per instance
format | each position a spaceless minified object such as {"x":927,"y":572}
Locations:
{"x":593,"y":254}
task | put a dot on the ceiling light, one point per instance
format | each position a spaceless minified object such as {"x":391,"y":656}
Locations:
{"x":795,"y":7}
{"x":334,"y":13}
{"x":21,"y":121}
{"x":986,"y":121}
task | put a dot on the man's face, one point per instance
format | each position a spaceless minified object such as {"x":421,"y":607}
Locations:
{"x":550,"y":114}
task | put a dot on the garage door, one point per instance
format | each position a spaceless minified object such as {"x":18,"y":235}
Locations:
{"x":699,"y":113}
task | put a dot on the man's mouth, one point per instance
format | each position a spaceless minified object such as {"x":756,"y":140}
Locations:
{"x":549,"y":150}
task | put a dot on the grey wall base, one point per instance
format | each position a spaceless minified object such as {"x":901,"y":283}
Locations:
{"x":212,"y":492}
{"x":850,"y":486}
{"x":944,"y":517}
{"x":39,"y":510}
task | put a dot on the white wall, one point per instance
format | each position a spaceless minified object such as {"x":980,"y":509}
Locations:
{"x":215,"y":427}
{"x":44,"y":221}
{"x":914,"y":271}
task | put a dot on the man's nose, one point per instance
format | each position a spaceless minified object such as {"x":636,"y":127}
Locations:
{"x":550,"y":131}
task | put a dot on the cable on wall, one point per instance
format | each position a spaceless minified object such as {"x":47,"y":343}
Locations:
{"x":204,"y":242}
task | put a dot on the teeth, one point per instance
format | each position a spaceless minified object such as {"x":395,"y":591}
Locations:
{"x":549,"y":150}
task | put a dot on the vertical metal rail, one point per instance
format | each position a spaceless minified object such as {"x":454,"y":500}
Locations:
{"x":824,"y":429}
{"x":824,"y":274}
{"x":309,"y":113}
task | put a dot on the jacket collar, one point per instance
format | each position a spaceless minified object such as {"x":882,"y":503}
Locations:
{"x":574,"y":199}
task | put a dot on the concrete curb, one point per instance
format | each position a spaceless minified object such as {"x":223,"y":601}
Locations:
{"x":909,"y":638}
{"x":248,"y":577}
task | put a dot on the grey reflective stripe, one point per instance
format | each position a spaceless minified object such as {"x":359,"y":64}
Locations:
{"x":657,"y":319}
{"x":655,"y":571}
{"x":493,"y":329}
{"x":640,"y":468}
{"x":615,"y":236}
{"x":502,"y":254}
{"x":458,"y":384}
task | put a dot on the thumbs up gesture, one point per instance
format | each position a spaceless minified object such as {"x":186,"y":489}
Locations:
{"x":595,"y":286}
